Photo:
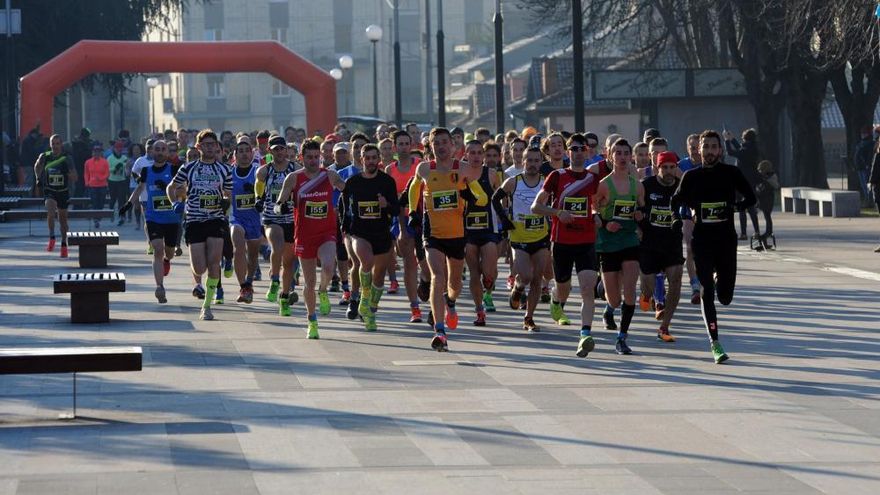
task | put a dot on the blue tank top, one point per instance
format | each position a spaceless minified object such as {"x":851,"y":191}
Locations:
{"x":159,"y":208}
{"x":243,"y":196}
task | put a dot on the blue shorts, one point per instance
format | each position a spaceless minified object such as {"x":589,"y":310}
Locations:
{"x":252,"y":229}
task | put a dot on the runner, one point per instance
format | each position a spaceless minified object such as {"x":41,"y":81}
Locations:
{"x":357,"y":141}
{"x":162,"y":223}
{"x":402,"y":170}
{"x":711,"y":192}
{"x":342,"y":160}
{"x":693,"y":160}
{"x":642,"y":158}
{"x":528,"y":233}
{"x":660,"y":250}
{"x":444,"y":191}
{"x":279,"y":227}
{"x":370,"y":202}
{"x":208,"y":186}
{"x":311,"y":190}
{"x":245,"y":219}
{"x":481,"y":248}
{"x":55,"y":172}
{"x":618,"y":198}
{"x":570,"y":192}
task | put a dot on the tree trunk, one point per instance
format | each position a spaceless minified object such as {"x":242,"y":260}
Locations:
{"x":857,"y":103}
{"x":804,"y":96}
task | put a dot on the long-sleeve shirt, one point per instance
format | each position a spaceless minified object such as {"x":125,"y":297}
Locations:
{"x":711,"y":193}
{"x":96,"y":172}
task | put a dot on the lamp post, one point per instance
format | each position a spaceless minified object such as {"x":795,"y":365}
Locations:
{"x":577,"y":53}
{"x":398,"y":106}
{"x":152,"y":82}
{"x":374,"y":34}
{"x":441,"y":67}
{"x":499,"y":68}
{"x":346,"y":62}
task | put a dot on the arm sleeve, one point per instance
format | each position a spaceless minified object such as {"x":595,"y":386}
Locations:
{"x":497,"y":198}
{"x":415,"y":189}
{"x":143,"y":176}
{"x":479,"y":196}
{"x":680,"y":198}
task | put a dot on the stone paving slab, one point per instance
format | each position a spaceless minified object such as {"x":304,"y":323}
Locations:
{"x":245,"y":404}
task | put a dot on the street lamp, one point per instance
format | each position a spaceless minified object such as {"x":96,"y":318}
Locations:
{"x":346,"y":62}
{"x":374,"y":34}
{"x":152,"y":82}
{"x":336,"y":74}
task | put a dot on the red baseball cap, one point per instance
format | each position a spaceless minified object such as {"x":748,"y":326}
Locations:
{"x":667,"y":157}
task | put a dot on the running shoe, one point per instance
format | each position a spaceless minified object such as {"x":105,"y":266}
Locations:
{"x":660,"y":310}
{"x":416,"y":315}
{"x":511,"y":280}
{"x":585,"y":346}
{"x":516,"y":298}
{"x":258,"y":274}
{"x":718,"y":353}
{"x":877,"y":249}
{"x":430,"y":320}
{"x":178,"y":251}
{"x":644,"y":302}
{"x":334,"y":284}
{"x":451,"y":320}
{"x":352,"y":312}
{"x":64,"y":251}
{"x":370,"y":322}
{"x":558,"y":315}
{"x":481,"y":319}
{"x":166,"y":267}
{"x":150,"y":249}
{"x":160,"y":295}
{"x":393,"y":287}
{"x":312,"y":332}
{"x":695,"y":297}
{"x":743,"y":236}
{"x":545,"y":294}
{"x":621,"y":347}
{"x":51,"y":246}
{"x":218,"y":296}
{"x":664,"y":335}
{"x":293,"y":297}
{"x":608,"y":317}
{"x":323,"y":303}
{"x":346,"y":298}
{"x":438,"y":343}
{"x":206,"y":314}
{"x":272,"y":293}
{"x":488,"y":303}
{"x":424,"y":290}
{"x":529,"y":325}
{"x":245,"y":296}
{"x":198,"y":292}
{"x":284,"y":307}
{"x":227,"y":268}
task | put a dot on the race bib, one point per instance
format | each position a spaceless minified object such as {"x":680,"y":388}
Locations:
{"x":56,"y":180}
{"x":661,"y":216}
{"x":274,"y":193}
{"x":533,"y":222}
{"x":477,"y":221}
{"x":316,"y":209}
{"x":245,"y":201}
{"x":445,"y":200}
{"x":576,"y":206}
{"x":623,"y":209}
{"x":713,"y":212}
{"x":368,"y":210}
{"x":209,"y":202}
{"x":161,"y":203}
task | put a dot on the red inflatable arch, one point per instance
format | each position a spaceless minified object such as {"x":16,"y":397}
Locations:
{"x":38,"y":89}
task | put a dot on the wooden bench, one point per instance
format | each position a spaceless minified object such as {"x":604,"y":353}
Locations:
{"x":10,"y":202}
{"x":37,"y":360}
{"x":821,"y":202}
{"x":92,"y":247}
{"x":89,"y":294}
{"x":39,"y":202}
{"x":9,"y":215}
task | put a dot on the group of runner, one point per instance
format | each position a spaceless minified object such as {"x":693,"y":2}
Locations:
{"x":558,"y":206}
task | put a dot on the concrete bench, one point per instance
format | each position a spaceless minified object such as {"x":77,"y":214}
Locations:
{"x":10,"y":202}
{"x":17,"y":191}
{"x":89,"y":294}
{"x":820,"y":202}
{"x":38,"y":360}
{"x":10,"y":215}
{"x":39,"y":202}
{"x":92,"y":247}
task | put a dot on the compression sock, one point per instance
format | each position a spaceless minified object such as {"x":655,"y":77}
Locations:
{"x":375,"y":296}
{"x":211,"y":288}
{"x":626,"y":315}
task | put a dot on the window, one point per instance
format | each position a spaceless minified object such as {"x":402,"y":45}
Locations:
{"x":279,"y":14}
{"x":279,"y":88}
{"x":214,"y":15}
{"x":279,"y":35}
{"x":216,"y":86}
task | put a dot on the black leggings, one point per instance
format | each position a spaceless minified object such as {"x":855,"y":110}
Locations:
{"x":753,"y":214}
{"x":715,"y":261}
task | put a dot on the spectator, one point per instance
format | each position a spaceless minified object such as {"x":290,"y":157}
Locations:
{"x":118,"y":180}
{"x":31,"y":146}
{"x":874,"y":182}
{"x":96,"y":171}
{"x":81,"y":150}
{"x":766,"y":193}
{"x":746,"y":155}
{"x":862,"y":156}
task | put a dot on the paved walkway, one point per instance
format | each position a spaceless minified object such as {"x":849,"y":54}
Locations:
{"x":245,"y":404}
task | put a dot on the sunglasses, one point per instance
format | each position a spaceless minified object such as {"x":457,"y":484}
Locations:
{"x":577,"y":148}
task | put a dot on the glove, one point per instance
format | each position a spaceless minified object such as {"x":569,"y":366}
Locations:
{"x":415,"y":221}
{"x":248,"y":187}
{"x":224,"y":204}
{"x":179,"y":207}
{"x":125,"y":208}
{"x":258,"y":205}
{"x":160,"y":184}
{"x":677,"y":224}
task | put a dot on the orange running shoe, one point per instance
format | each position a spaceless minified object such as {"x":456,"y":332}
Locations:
{"x":416,"y":315}
{"x":664,"y":335}
{"x":451,"y":320}
{"x":644,"y":302}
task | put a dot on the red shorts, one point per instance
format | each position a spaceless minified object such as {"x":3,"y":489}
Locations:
{"x":308,"y":248}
